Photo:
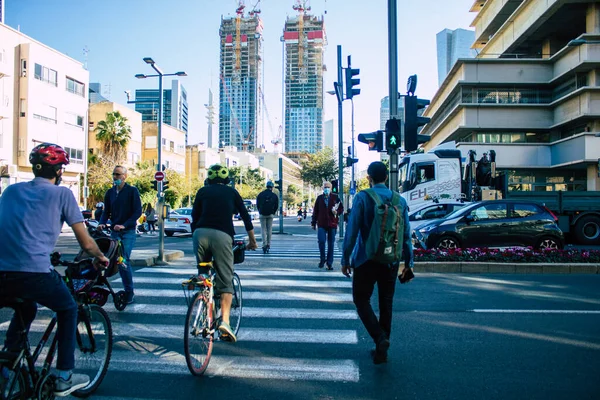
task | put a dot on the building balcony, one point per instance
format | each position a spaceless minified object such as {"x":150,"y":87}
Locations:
{"x":490,"y":17}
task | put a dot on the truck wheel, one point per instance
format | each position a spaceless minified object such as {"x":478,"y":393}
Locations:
{"x":587,"y":230}
{"x":548,"y":243}
{"x":447,"y":243}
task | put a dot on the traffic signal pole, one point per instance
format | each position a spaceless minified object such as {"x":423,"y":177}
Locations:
{"x":393,"y":84}
{"x":340,"y":96}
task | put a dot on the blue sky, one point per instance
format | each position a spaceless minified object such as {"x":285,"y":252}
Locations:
{"x":183,"y":35}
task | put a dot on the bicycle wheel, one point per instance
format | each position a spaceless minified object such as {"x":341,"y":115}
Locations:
{"x":235,"y":316}
{"x":198,"y":338}
{"x":13,"y":385}
{"x":94,"y":347}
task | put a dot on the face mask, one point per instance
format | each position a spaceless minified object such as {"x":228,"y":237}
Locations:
{"x":326,"y":191}
{"x":117,"y":182}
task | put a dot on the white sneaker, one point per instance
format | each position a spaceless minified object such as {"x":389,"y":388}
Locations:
{"x":66,"y":387}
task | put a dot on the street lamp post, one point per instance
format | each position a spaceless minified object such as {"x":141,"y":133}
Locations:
{"x":160,"y":195}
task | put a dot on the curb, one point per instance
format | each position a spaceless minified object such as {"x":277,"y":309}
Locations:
{"x":149,"y":258}
{"x":506,"y":268}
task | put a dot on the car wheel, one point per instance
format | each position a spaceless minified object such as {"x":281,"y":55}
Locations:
{"x":587,"y":230}
{"x":548,"y":243}
{"x":169,"y":234}
{"x":447,"y":243}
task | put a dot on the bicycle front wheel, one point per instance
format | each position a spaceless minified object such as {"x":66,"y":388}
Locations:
{"x":94,"y":346}
{"x":198,"y":337}
{"x":235,"y":316}
{"x":13,"y":385}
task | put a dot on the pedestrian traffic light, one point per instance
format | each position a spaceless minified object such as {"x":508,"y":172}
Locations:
{"x":373,"y":139}
{"x":278,"y":185}
{"x":351,"y":161}
{"x":413,"y":121}
{"x":155,"y":185}
{"x":334,"y":186}
{"x":351,"y":82}
{"x":393,"y":135}
{"x":165,"y":185}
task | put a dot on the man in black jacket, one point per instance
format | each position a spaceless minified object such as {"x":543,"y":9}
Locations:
{"x":267,"y":203}
{"x":122,"y":205}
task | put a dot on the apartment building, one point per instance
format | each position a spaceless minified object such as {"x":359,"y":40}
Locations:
{"x":291,"y":170}
{"x":44,"y":99}
{"x":173,"y":146}
{"x":240,"y":81}
{"x":98,"y":113}
{"x":531,"y":94}
{"x":199,"y":157}
{"x":175,"y":106}
{"x":305,"y":40}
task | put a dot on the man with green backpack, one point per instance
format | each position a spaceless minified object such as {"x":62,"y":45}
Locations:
{"x":376,"y":240}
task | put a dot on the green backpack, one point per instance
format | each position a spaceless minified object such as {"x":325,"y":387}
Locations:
{"x":384,"y":243}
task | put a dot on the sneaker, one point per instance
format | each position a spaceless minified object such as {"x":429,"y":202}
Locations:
{"x":227,"y":333}
{"x":380,"y":353}
{"x":321,"y":264}
{"x":66,"y":387}
{"x":129,"y":296}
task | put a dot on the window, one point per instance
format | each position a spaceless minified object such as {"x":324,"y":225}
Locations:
{"x":22,"y":107}
{"x":75,"y":155}
{"x":425,"y":173}
{"x":46,"y":113}
{"x":23,"y":68}
{"x":46,"y":74}
{"x":524,"y":210}
{"x":151,"y":142}
{"x":74,"y":119}
{"x":489,"y":211}
{"x":75,"y":87}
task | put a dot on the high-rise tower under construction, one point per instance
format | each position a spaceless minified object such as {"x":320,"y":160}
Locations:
{"x":305,"y":42}
{"x":240,"y":104}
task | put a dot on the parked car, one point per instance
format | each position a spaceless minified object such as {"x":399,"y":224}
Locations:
{"x":426,"y":212}
{"x":252,"y":210}
{"x":493,"y":223}
{"x":179,"y":221}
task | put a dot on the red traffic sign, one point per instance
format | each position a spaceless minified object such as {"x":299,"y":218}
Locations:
{"x":159,"y":176}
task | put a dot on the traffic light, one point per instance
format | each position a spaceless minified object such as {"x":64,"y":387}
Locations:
{"x":393,"y":138}
{"x":351,"y":161}
{"x":373,"y":139}
{"x":334,"y":186}
{"x":351,"y":82}
{"x":165,"y":185}
{"x":279,"y":185}
{"x":155,"y":185}
{"x":413,"y":121}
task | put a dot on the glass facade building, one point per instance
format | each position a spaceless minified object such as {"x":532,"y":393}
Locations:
{"x":452,"y":45}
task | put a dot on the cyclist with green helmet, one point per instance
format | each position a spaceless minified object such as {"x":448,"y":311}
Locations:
{"x":213,"y":232}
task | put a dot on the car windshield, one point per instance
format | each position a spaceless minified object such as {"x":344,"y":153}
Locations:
{"x":184,"y":211}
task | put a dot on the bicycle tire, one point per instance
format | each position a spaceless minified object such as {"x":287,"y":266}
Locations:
{"x":235,"y":315}
{"x":93,"y":362}
{"x":198,"y":340}
{"x":15,"y":386}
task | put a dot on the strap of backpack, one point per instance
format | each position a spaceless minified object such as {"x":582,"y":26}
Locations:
{"x":395,"y":202}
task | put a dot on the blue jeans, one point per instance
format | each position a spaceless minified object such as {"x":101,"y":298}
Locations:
{"x":127,"y":239}
{"x":326,"y":235}
{"x":49,"y":290}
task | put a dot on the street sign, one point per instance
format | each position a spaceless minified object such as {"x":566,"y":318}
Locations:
{"x":159,"y":176}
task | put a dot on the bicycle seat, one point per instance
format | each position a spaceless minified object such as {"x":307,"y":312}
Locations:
{"x":11,"y":302}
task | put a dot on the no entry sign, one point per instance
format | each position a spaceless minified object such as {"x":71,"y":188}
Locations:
{"x":159,"y":176}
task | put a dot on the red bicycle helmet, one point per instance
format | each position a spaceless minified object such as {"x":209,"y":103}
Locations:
{"x":48,"y":154}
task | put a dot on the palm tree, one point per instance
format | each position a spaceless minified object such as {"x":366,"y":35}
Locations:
{"x":114,"y":134}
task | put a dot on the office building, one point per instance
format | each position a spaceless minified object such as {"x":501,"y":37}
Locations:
{"x":95,"y":93}
{"x":175,"y":106}
{"x":452,"y":45}
{"x":240,"y":82}
{"x":530,"y":95}
{"x":305,"y":40}
{"x":44,"y":99}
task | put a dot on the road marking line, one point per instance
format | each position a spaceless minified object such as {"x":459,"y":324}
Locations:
{"x":493,"y":311}
{"x":253,"y":282}
{"x":271,"y":335}
{"x":273,"y":296}
{"x":241,"y":272}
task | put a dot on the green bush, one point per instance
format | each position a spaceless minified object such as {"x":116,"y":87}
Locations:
{"x":516,"y":255}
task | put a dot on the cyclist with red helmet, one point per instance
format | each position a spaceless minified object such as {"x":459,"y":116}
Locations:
{"x":31,"y":217}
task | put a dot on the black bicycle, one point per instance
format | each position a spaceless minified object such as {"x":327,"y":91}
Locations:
{"x":19,"y":377}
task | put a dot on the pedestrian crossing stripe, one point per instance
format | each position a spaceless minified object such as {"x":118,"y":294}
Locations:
{"x":242,"y":272}
{"x":249,"y":282}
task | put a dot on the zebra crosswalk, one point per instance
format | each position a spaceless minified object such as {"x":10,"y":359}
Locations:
{"x":292,"y":249}
{"x":283,"y":308}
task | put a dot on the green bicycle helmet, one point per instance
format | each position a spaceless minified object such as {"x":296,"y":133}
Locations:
{"x":218,"y":173}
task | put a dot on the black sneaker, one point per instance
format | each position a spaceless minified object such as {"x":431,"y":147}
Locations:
{"x":321,"y":264}
{"x":380,"y":353}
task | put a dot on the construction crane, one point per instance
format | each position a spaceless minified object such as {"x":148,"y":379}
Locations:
{"x":255,"y":9}
{"x":279,"y":139}
{"x":238,"y":37}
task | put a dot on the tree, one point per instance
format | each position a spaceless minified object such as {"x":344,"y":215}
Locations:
{"x":114,"y":134}
{"x":247,"y":176}
{"x":319,"y":167}
{"x":99,"y":178}
{"x":292,"y":195}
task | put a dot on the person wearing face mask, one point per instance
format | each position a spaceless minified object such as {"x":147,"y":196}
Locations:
{"x":325,"y":214}
{"x":122,"y":205}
